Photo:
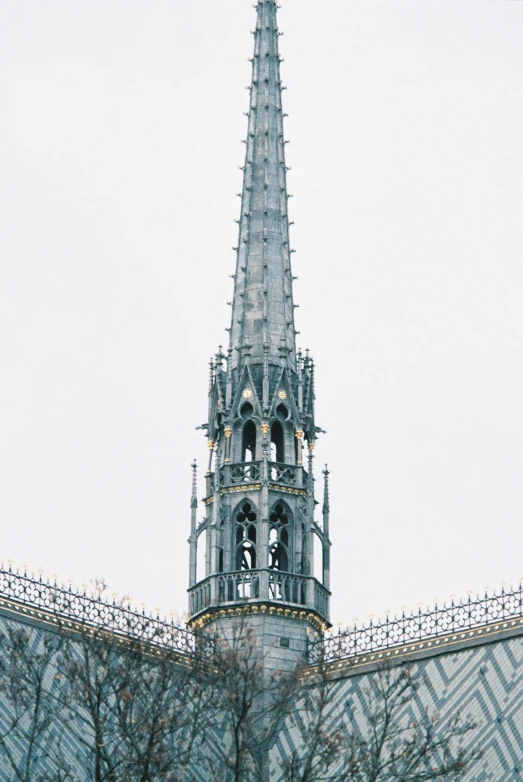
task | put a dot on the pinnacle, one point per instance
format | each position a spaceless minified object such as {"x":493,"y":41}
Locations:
{"x":262,"y":306}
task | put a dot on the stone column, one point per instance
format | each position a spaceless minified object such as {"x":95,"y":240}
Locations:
{"x":299,"y":439}
{"x":228,"y":435}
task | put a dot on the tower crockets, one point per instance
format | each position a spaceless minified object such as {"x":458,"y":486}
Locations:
{"x":259,"y":526}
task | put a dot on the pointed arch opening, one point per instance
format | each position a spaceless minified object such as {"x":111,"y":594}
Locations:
{"x":219,"y":563}
{"x":317,"y":569}
{"x":305,"y":567}
{"x":282,"y":412}
{"x":247,"y":411}
{"x":280,"y":537}
{"x":201,"y":556}
{"x":249,"y":442}
{"x":245,"y":537}
{"x":277,"y":443}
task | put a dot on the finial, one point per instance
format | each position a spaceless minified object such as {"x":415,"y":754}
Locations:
{"x":326,"y":500}
{"x":194,"y":492}
{"x":211,"y":375}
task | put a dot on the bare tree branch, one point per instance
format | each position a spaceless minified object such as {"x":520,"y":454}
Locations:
{"x":383,"y":735}
{"x":31,"y":725}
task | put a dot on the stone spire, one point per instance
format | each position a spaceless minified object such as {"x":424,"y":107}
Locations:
{"x":263,"y":310}
{"x":256,"y":542}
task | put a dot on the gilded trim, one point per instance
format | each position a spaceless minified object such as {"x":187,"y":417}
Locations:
{"x":287,"y":489}
{"x":58,"y":623}
{"x":239,"y":489}
{"x":258,"y":608}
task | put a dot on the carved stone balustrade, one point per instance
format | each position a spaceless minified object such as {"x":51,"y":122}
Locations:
{"x":285,"y":474}
{"x":262,"y":586}
{"x":244,"y":473}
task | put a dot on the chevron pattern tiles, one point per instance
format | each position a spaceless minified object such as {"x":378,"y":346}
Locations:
{"x":484,"y":683}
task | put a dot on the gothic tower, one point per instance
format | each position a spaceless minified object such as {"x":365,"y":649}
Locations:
{"x":259,"y":526}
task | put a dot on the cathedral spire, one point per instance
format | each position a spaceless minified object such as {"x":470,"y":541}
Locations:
{"x":252,"y":555}
{"x":263,"y":309}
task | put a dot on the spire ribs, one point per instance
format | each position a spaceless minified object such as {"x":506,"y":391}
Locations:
{"x":262,"y":310}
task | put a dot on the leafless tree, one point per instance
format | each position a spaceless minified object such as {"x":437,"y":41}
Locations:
{"x":129,"y":710}
{"x":382,"y":733}
{"x":138,"y":713}
{"x":31,"y":724}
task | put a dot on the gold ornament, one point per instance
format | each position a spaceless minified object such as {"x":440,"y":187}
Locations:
{"x":247,"y":394}
{"x":282,"y":394}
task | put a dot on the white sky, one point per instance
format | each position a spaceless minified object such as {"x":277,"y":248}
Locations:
{"x":120,"y":144}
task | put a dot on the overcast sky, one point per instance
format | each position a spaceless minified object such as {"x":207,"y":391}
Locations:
{"x":120,"y":133}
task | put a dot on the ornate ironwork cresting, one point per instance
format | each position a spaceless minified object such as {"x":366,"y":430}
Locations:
{"x":414,"y":626}
{"x":91,"y":611}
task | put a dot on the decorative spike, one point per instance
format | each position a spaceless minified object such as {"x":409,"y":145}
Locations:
{"x":211,"y":375}
{"x":326,"y":502}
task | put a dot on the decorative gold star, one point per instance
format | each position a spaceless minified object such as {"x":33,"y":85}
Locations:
{"x":282,"y":394}
{"x":247,"y":394}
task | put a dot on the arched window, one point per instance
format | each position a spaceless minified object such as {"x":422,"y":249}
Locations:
{"x":279,"y":538}
{"x":304,"y":557}
{"x":220,"y":547}
{"x":249,"y":442}
{"x":245,"y":537}
{"x":277,"y":443}
{"x":282,"y":412}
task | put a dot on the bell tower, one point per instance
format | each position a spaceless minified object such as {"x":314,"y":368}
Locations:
{"x":259,"y":529}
